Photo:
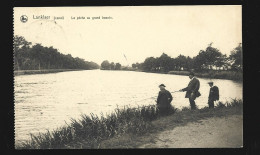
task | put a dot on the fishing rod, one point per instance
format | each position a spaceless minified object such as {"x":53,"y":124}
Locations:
{"x":156,"y":96}
{"x":176,"y":91}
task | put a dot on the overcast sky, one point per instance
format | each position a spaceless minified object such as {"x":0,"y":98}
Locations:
{"x":137,"y":32}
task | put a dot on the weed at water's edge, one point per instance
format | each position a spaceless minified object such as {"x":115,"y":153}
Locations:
{"x":90,"y":131}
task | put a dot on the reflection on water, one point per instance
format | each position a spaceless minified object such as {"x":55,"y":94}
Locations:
{"x":48,"y":101}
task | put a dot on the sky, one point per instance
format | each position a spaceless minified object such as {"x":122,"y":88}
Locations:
{"x":137,"y":32}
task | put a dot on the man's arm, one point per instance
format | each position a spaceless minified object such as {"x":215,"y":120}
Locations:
{"x":170,"y":97}
{"x":184,"y":89}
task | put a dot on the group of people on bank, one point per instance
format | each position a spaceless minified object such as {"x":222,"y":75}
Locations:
{"x":192,"y":92}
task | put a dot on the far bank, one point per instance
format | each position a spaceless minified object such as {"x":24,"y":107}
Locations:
{"x":43,"y":71}
{"x":212,"y":74}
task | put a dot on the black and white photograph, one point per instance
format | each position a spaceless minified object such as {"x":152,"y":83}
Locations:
{"x":128,"y":77}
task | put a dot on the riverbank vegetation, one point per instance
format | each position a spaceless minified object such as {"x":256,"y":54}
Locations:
{"x":43,"y":71}
{"x":209,"y":63}
{"x":213,"y":74}
{"x":38,"y":57}
{"x":111,"y":131}
{"x":106,"y":65}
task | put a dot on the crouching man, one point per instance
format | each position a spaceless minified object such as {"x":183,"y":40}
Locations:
{"x":164,"y":100}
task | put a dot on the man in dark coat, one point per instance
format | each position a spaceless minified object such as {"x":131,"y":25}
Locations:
{"x":192,"y":90}
{"x":164,"y":100}
{"x":213,"y":94}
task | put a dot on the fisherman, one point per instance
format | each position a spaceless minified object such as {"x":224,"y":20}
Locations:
{"x":213,"y":94}
{"x":192,"y":90}
{"x":164,"y":100}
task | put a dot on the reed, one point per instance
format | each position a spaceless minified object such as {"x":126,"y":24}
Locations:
{"x":90,"y":130}
{"x":93,"y":129}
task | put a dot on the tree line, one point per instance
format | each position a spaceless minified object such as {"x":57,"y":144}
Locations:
{"x":37,"y":57}
{"x":106,"y":65}
{"x":209,"y":59}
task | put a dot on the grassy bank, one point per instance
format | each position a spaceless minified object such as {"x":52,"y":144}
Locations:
{"x":44,"y":71}
{"x":123,"y":128}
{"x":230,"y":75}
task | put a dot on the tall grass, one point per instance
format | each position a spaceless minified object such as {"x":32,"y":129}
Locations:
{"x":234,"y":103}
{"x":90,"y":131}
{"x":93,"y":129}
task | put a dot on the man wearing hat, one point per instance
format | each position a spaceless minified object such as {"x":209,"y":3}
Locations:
{"x":164,"y":100}
{"x":192,"y":90}
{"x":213,"y":94}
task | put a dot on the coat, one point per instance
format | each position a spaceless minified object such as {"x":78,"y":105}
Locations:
{"x":193,"y":87}
{"x":214,"y":93}
{"x":164,"y":98}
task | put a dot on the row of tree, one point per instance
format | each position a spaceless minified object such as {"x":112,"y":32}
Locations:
{"x":208,"y":59}
{"x":28,"y":57}
{"x":106,"y":65}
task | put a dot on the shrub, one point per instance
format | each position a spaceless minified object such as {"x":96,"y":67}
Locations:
{"x":220,"y":105}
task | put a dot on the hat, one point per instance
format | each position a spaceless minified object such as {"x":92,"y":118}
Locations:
{"x":162,"y":85}
{"x":191,"y":73}
{"x":210,"y":82}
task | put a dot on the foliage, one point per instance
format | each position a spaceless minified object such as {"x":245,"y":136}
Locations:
{"x":117,"y":66}
{"x":236,"y":58}
{"x":106,"y":65}
{"x":34,"y":57}
{"x":208,"y":59}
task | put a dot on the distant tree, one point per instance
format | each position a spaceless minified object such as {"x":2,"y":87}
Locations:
{"x":92,"y":65}
{"x":137,"y":65}
{"x":112,"y":65}
{"x":117,"y":66}
{"x":208,"y":58}
{"x":200,"y":61}
{"x":222,"y":62}
{"x":149,"y":64}
{"x":134,"y":65}
{"x":189,"y":63}
{"x":181,"y":62}
{"x":164,"y":62}
{"x":106,"y":65}
{"x":236,"y":57}
{"x":20,"y":46}
{"x":27,"y":57}
{"x":212,"y":55}
{"x":20,"y":43}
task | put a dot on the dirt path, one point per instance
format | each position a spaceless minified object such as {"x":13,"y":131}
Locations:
{"x":209,"y":133}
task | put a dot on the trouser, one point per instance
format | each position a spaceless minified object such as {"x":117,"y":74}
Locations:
{"x":211,"y":103}
{"x":192,"y":104}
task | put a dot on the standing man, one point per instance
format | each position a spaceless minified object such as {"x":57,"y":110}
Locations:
{"x":164,"y":100}
{"x":192,"y":90}
{"x":213,"y":94}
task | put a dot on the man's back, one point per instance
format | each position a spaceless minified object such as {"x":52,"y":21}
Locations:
{"x":214,"y":93}
{"x":164,"y":97}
